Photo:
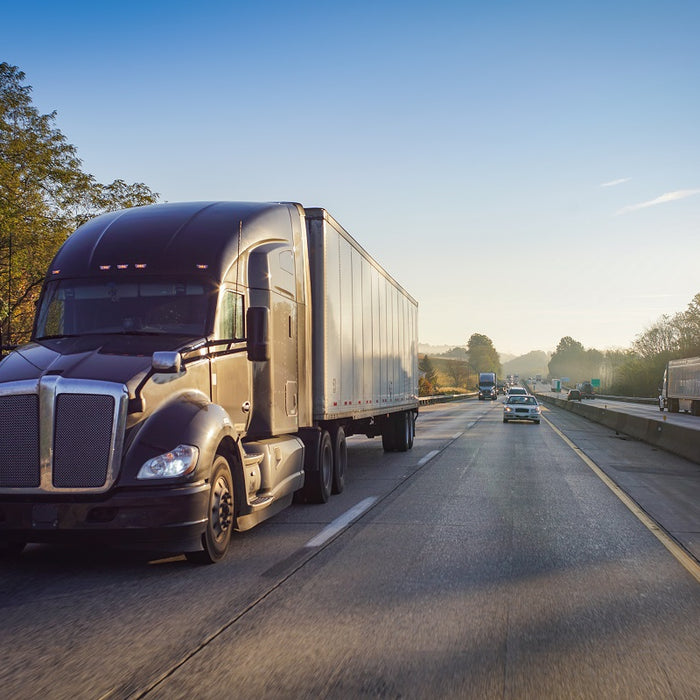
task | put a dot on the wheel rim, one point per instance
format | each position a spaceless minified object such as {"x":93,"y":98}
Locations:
{"x":221,"y":509}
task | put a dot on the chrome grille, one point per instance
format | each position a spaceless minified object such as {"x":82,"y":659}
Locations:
{"x":82,"y":440}
{"x":60,"y":435}
{"x":19,"y":441}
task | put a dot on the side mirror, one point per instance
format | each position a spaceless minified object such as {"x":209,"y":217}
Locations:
{"x":257,"y":327}
{"x":166,"y":362}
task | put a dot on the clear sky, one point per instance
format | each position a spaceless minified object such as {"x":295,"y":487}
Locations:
{"x":527,"y":170}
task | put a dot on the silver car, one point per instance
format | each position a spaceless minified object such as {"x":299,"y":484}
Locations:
{"x":521,"y":407}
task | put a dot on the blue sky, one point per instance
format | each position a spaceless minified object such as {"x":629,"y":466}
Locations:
{"x":527,"y":170}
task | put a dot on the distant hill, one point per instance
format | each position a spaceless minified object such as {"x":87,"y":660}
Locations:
{"x":433,"y":350}
{"x":535,"y":362}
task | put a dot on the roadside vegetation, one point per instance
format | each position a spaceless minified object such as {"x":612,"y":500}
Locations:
{"x":44,"y":197}
{"x":636,"y":371}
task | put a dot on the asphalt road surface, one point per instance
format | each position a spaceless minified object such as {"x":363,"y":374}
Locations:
{"x":491,"y":561}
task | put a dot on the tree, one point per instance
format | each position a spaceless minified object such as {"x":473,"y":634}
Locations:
{"x":568,"y":360}
{"x":482,"y":355}
{"x":428,"y":382}
{"x":688,"y":326}
{"x":458,"y":372}
{"x":44,"y":196}
{"x":661,"y":338}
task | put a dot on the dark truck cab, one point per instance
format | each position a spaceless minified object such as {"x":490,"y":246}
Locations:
{"x":192,"y":368}
{"x":131,"y":415}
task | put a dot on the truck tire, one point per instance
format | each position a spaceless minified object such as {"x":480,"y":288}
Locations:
{"x":388,"y":435}
{"x":217,"y":536}
{"x":340,"y":459}
{"x":403,"y":431}
{"x":411,"y":429}
{"x":319,"y":480}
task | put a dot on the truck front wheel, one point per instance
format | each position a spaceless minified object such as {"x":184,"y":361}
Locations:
{"x":216,"y":538}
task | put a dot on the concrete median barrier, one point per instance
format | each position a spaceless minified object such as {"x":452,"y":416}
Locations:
{"x":682,"y":441}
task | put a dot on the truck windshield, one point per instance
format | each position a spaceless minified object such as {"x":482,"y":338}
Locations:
{"x":99,"y":306}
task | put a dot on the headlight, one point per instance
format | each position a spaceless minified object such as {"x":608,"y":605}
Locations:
{"x":507,"y":409}
{"x":178,"y":462}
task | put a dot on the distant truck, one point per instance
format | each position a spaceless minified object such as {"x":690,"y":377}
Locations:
{"x":586,"y":389}
{"x":680,"y":390}
{"x":556,"y":385}
{"x":487,"y":386}
{"x":192,"y":368}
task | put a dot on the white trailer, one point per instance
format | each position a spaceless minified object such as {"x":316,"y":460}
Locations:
{"x":681,"y":386}
{"x":365,"y":329}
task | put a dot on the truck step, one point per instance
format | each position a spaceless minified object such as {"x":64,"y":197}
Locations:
{"x":251,"y":460}
{"x":261,"y":501}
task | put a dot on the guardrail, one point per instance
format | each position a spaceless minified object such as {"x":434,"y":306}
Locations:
{"x":678,"y":439}
{"x":445,"y":398}
{"x":628,"y":399}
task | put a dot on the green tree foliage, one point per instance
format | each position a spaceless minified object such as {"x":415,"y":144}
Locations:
{"x":428,"y":381}
{"x":572,"y":360}
{"x":670,"y":337}
{"x":44,"y":196}
{"x":482,"y":355}
{"x":458,"y":372}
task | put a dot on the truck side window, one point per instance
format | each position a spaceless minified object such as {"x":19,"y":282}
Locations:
{"x":231,"y":316}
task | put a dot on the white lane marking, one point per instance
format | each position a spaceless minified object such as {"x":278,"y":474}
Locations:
{"x":428,"y":457}
{"x":341,"y":522}
{"x":456,"y":435}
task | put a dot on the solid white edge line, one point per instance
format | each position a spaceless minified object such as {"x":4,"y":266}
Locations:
{"x":341,"y":522}
{"x":686,"y":561}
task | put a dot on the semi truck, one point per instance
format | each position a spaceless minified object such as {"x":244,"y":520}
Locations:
{"x":193,"y":369}
{"x":487,"y":386}
{"x":680,"y":390}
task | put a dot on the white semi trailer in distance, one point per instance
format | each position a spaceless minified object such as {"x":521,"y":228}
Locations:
{"x":680,"y":390}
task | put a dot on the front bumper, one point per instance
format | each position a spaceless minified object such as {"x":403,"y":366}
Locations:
{"x":167,"y":518}
{"x":522,"y":415}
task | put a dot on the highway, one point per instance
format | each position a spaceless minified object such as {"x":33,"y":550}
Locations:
{"x":491,"y":561}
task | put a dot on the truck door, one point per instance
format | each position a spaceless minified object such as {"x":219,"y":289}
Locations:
{"x":230,"y":369}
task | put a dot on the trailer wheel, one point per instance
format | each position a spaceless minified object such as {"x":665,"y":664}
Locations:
{"x":411,"y":428}
{"x":403,"y":431}
{"x":319,"y":481}
{"x":217,"y":536}
{"x":340,"y":459}
{"x":388,"y":435}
